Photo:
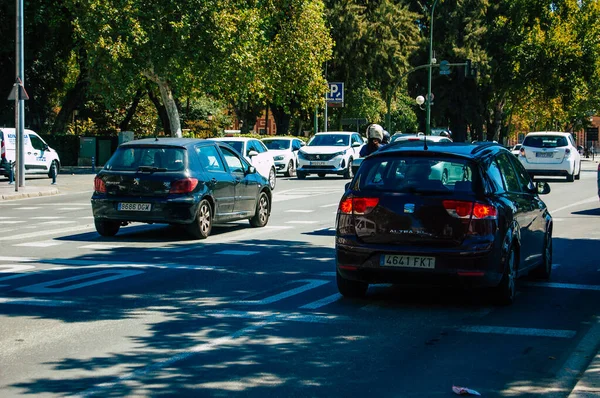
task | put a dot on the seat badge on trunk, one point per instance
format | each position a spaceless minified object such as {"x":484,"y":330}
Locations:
{"x":136,"y":181}
{"x":409,"y":208}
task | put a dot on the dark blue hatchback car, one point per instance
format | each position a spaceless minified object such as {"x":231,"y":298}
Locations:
{"x":447,"y":214}
{"x":189,"y":182}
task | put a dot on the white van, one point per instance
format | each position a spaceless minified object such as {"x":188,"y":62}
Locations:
{"x":39,"y":157}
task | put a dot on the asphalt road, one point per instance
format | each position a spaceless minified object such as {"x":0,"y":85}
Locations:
{"x":251,"y":312}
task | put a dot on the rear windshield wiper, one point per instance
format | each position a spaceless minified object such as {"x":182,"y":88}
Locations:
{"x":150,"y":169}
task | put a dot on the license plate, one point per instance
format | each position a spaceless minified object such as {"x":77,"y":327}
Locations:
{"x":318,"y":163}
{"x":134,"y":206}
{"x":544,"y":154}
{"x":390,"y":260}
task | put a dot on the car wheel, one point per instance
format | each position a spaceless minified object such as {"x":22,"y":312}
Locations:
{"x":349,"y":173}
{"x":445,"y":177}
{"x":202,"y":225}
{"x":321,"y":175}
{"x":272,"y":178}
{"x":261,"y":216}
{"x":506,"y":290}
{"x":545,"y":268}
{"x":53,"y":169}
{"x":300,"y":175}
{"x":351,"y":289}
{"x":291,"y":170}
{"x":578,"y":175}
{"x":107,"y":227}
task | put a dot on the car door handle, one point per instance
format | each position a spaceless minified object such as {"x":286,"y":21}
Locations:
{"x":213,"y":181}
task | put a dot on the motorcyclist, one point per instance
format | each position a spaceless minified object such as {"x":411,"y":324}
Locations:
{"x":386,"y":137}
{"x":375,"y":138}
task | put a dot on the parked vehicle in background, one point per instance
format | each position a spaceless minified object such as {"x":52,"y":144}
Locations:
{"x":180,"y":181}
{"x":329,"y":153}
{"x":256,"y":153}
{"x":285,"y":153}
{"x":516,"y":150}
{"x":550,"y":153}
{"x":39,"y":157}
{"x":398,"y":222}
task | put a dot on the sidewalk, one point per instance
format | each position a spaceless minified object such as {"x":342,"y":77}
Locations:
{"x":589,"y":384}
{"x":32,"y":188}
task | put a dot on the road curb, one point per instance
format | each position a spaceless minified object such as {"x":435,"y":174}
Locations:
{"x":588,"y":385}
{"x":31,"y":194}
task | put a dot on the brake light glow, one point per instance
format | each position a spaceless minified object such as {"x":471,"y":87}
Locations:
{"x":99,"y":185}
{"x":464,"y":209}
{"x":185,"y":185}
{"x":358,"y":205}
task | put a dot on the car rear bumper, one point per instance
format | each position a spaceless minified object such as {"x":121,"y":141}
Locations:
{"x":180,"y":210}
{"x":566,"y":167}
{"x":467,"y":267}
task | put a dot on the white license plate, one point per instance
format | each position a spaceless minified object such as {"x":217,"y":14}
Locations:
{"x":134,"y":206}
{"x":390,"y":260}
{"x":544,"y":154}
{"x":318,"y":163}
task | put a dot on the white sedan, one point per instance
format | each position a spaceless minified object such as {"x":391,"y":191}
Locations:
{"x":285,"y":153}
{"x":256,"y":153}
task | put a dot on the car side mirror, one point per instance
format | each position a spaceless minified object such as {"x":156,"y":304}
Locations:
{"x":252,"y":153}
{"x":45,"y":147}
{"x":251,"y":170}
{"x":543,"y":188}
{"x":356,"y":144}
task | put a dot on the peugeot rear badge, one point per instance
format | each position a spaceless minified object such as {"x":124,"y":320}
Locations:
{"x":409,"y":208}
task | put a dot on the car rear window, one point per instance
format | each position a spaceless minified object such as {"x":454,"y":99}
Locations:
{"x":418,"y":174}
{"x":545,"y":141}
{"x":131,"y":158}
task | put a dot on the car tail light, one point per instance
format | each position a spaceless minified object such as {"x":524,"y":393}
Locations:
{"x":358,"y":205}
{"x":522,"y":152}
{"x":185,"y":185}
{"x":99,"y":185}
{"x":464,"y":209}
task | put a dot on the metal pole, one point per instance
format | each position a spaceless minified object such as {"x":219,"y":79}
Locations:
{"x":20,"y":122}
{"x":428,"y":120}
{"x":325,"y":127}
{"x":316,"y":126}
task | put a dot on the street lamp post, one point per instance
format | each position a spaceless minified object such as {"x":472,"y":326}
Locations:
{"x":428,"y":120}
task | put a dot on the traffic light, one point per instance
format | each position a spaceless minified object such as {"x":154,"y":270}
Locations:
{"x":470,"y":69}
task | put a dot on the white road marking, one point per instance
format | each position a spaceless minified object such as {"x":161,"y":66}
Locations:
{"x":278,"y":227}
{"x":6,"y":218}
{"x":237,"y":252}
{"x":563,"y":285}
{"x":101,"y":247}
{"x":86,"y":218}
{"x":45,"y":243}
{"x":36,"y":234}
{"x":56,"y":222}
{"x":308,"y":285}
{"x":35,"y":302}
{"x":294,"y":317}
{"x":12,"y":221}
{"x":45,"y":218}
{"x":331,"y":205}
{"x":564,"y":334}
{"x":593,"y":199}
{"x":27,"y":208}
{"x":301,"y":222}
{"x":322,"y":302}
{"x":46,"y":287}
{"x":299,"y":211}
{"x":19,"y":259}
{"x":71,"y":208}
{"x":15,"y":268}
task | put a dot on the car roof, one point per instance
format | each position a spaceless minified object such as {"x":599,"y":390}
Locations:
{"x":536,"y":133}
{"x":454,"y":149}
{"x":406,"y":137}
{"x":337,"y":132}
{"x":240,"y":139}
{"x":165,"y":141}
{"x":279,"y":138}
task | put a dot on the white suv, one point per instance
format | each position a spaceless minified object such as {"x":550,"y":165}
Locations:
{"x":329,"y":153}
{"x":550,"y":153}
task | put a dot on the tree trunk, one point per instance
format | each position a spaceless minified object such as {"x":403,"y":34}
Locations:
{"x":168,"y":101}
{"x":124,"y":125}
{"x":494,"y":135}
{"x":160,"y":109}
{"x":282,"y":120}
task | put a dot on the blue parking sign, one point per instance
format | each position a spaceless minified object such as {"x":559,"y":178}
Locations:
{"x":335,"y":93}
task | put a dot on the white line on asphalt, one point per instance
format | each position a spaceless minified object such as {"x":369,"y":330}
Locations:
{"x":101,"y":247}
{"x":11,"y":221}
{"x":299,"y":211}
{"x":278,"y":227}
{"x":322,"y":302}
{"x":593,"y":199}
{"x":71,"y":208}
{"x":301,"y":222}
{"x":62,"y":222}
{"x":308,"y":285}
{"x":44,"y":243}
{"x":46,"y":287}
{"x":36,"y":302}
{"x":19,"y":259}
{"x":331,"y":205}
{"x":27,"y":208}
{"x":563,"y":285}
{"x":237,"y":252}
{"x":45,"y":218}
{"x":48,"y":232}
{"x":295,"y":317}
{"x":6,"y":218}
{"x":564,"y":334}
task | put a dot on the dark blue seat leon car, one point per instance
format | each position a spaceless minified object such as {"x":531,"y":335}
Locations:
{"x":447,"y":214}
{"x":180,"y":181}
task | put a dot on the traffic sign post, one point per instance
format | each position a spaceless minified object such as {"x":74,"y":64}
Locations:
{"x":334,"y":98}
